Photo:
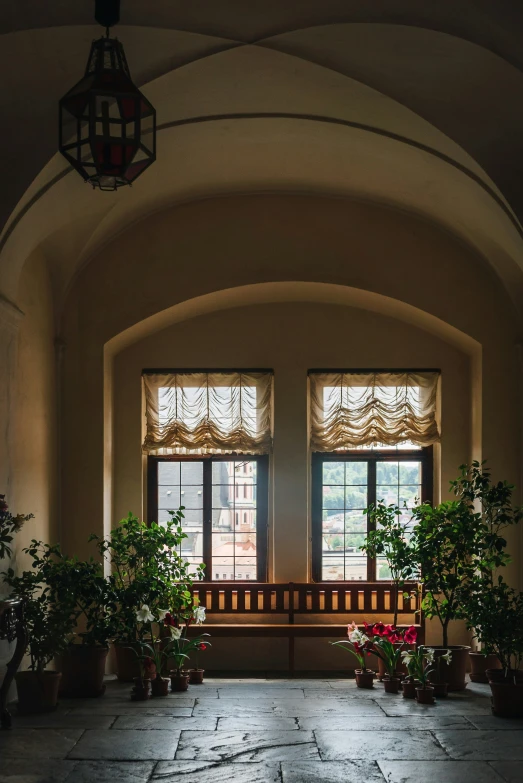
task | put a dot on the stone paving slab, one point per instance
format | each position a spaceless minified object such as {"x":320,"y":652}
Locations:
{"x":28,"y":770}
{"x":438,"y":772}
{"x":284,"y":708}
{"x":136,"y":708}
{"x":263,"y":722}
{"x":39,"y":743}
{"x":159,"y":722}
{"x":483,"y":745}
{"x":510,"y":771}
{"x":247,"y":746}
{"x":358,"y":723}
{"x":486,"y":722}
{"x":126,"y":745}
{"x":259,"y":692}
{"x":211,"y":772}
{"x":442,"y":707}
{"x":63,"y":720}
{"x":331,"y":772}
{"x":111,"y":772}
{"x":345,"y":745}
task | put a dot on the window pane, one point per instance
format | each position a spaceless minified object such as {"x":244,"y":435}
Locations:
{"x":387,"y":472}
{"x":191,"y":497}
{"x":192,"y":472}
{"x":332,"y":521}
{"x":356,"y":568}
{"x":169,"y":473}
{"x":192,"y":520}
{"x":355,"y":522}
{"x":333,"y":543}
{"x":356,"y":473}
{"x":410,"y":495}
{"x":223,"y":519}
{"x":410,"y":472}
{"x":382,"y":569}
{"x":222,"y":495}
{"x":333,"y":570}
{"x":333,"y":472}
{"x":333,"y":497}
{"x":169,"y":497}
{"x":387,"y":494}
{"x":222,"y":472}
{"x":356,"y":497}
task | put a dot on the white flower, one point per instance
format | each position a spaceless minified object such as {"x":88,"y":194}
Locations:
{"x":447,"y":657}
{"x":407,"y":655}
{"x":199,"y":615}
{"x":144,"y":615}
{"x":175,"y":633}
{"x":358,"y":636}
{"x":162,"y":614}
{"x":429,"y":655}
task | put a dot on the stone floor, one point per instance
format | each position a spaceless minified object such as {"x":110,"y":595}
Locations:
{"x":265,"y":731}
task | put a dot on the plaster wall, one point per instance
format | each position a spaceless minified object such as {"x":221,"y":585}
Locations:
{"x":201,"y":249}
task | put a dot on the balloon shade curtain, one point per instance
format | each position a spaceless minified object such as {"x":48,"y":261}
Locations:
{"x":355,"y":410}
{"x":208,"y":412}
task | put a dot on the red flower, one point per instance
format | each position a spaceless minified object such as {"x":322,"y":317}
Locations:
{"x":202,"y":646}
{"x":388,"y":631}
{"x":168,"y":619}
{"x":357,"y":647}
{"x":394,"y":638}
{"x":410,"y":635}
{"x":379,"y":628}
{"x":369,"y":629}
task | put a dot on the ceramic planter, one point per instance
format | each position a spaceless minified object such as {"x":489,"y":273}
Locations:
{"x":507,"y":699}
{"x":83,"y":670}
{"x":409,"y":689}
{"x":179,"y":682}
{"x":391,"y":684}
{"x":196,"y":676}
{"x":364,"y":679}
{"x":37,"y":691}
{"x":141,"y":690}
{"x":453,"y":673}
{"x":159,"y":686}
{"x":479,"y":664}
{"x":425,"y":695}
{"x":127,"y":664}
{"x":500,"y":675}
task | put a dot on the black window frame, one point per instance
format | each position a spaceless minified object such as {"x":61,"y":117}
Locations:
{"x":424,"y":455}
{"x":262,"y":505}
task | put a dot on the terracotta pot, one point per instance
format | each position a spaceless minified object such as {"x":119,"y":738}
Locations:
{"x":455,"y":672}
{"x":179,"y":682}
{"x":425,"y":695}
{"x":441,"y":689}
{"x":479,"y":664}
{"x":141,"y":690}
{"x":83,"y":671}
{"x":196,"y":676}
{"x":160,"y":686}
{"x":127,"y":664}
{"x":391,"y":684}
{"x":409,"y":689}
{"x":500,"y":675}
{"x":507,"y":699}
{"x":37,"y":691}
{"x":364,"y":679}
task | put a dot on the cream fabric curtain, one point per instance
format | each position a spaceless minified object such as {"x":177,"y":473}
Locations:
{"x":351,"y":410}
{"x":215,"y":412}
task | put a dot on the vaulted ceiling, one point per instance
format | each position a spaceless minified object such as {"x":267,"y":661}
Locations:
{"x":416,"y":104}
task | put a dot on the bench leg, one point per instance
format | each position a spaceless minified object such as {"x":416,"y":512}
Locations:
{"x":291,"y":655}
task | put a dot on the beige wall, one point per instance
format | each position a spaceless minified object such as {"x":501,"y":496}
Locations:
{"x":210,"y":251}
{"x":34,"y":487}
{"x":290,"y":338}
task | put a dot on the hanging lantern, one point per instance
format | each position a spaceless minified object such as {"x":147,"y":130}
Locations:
{"x":107,"y":127}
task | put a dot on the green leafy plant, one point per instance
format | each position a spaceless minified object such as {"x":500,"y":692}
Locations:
{"x":9,"y":525}
{"x":420,"y":663}
{"x":495,"y":612}
{"x":179,"y":646}
{"x":147,"y":569}
{"x":389,"y":538}
{"x":358,"y":644}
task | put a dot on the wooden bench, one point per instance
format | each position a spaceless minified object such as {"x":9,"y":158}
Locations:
{"x":326,"y":608}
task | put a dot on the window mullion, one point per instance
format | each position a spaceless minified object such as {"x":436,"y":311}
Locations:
{"x":207,"y":518}
{"x":371,"y":498}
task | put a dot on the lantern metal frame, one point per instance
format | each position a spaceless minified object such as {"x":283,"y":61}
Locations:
{"x":107,"y":127}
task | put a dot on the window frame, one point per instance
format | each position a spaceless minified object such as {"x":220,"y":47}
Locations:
{"x":424,"y":455}
{"x":262,"y":505}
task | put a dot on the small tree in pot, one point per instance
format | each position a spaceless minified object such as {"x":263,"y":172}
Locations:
{"x":390,"y":539}
{"x":491,"y":502}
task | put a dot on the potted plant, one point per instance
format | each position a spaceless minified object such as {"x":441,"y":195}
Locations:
{"x":49,"y":626}
{"x":387,"y":644}
{"x":389,"y":539}
{"x":147,"y":569}
{"x":491,"y":503}
{"x":9,"y":525}
{"x":180,"y":645}
{"x":80,"y":588}
{"x":497,"y":617}
{"x":445,"y":546}
{"x":152,"y":655}
{"x":420,"y":664}
{"x":358,"y":644}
